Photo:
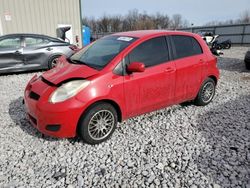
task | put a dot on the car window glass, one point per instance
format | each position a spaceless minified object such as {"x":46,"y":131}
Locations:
{"x":196,"y":47}
{"x":186,"y":46}
{"x":30,"y":41}
{"x":10,"y":43}
{"x":151,"y":52}
{"x":99,"y":53}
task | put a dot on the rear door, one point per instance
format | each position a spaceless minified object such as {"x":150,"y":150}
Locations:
{"x":36,"y":51}
{"x":10,"y":52}
{"x":189,"y":60}
{"x":154,"y":88}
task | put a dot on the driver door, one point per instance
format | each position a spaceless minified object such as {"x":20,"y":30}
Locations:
{"x":154,"y":88}
{"x":10,"y":52}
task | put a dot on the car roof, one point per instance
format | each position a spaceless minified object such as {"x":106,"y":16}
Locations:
{"x":148,"y":33}
{"x":29,"y":35}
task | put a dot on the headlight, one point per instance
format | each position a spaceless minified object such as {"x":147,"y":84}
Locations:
{"x":68,"y":90}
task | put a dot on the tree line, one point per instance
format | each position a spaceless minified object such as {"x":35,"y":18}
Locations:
{"x":135,"y":20}
{"x":244,"y":18}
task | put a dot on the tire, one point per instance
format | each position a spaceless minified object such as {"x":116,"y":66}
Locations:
{"x":228,"y":46}
{"x":52,"y":61}
{"x":247,"y":60}
{"x":219,"y":46}
{"x":247,"y":64}
{"x":206,"y":93}
{"x":89,"y":129}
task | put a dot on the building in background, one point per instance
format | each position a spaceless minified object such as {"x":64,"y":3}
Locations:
{"x":41,"y":17}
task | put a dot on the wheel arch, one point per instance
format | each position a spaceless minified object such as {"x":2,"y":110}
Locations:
{"x":109,"y":101}
{"x":214,"y":78}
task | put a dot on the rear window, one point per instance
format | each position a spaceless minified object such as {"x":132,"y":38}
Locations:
{"x":34,"y":41}
{"x":186,"y":46}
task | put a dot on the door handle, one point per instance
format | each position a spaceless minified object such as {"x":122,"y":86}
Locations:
{"x":49,"y":48}
{"x":18,"y":52}
{"x":169,"y":69}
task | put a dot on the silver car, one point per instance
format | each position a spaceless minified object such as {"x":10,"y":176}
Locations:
{"x":25,"y":52}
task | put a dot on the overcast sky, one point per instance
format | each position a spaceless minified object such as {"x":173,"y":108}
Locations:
{"x":198,"y":12}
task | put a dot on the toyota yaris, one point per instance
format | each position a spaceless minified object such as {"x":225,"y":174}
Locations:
{"x":118,"y":77}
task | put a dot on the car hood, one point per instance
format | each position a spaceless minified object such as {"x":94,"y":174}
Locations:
{"x":66,"y":71}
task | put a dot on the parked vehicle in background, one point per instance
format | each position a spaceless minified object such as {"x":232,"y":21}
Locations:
{"x":208,"y":36}
{"x":247,"y":60}
{"x":118,"y":77}
{"x":25,"y":52}
{"x":212,"y":41}
{"x":222,"y":45}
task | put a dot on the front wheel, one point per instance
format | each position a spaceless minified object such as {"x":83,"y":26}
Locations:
{"x":98,"y":123}
{"x":206,"y":92}
{"x":247,"y":64}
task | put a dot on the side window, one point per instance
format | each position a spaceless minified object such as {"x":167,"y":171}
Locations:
{"x":196,"y":47}
{"x":10,"y":43}
{"x":31,"y":41}
{"x":186,"y":46}
{"x":151,"y":52}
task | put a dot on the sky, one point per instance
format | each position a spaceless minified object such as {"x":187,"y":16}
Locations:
{"x":198,"y":12}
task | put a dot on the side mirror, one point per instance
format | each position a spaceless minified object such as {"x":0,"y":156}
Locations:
{"x":136,"y":67}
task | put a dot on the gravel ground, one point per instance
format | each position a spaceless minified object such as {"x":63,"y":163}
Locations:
{"x":179,"y":146}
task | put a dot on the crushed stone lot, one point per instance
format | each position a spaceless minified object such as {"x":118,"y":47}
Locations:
{"x":180,"y":146}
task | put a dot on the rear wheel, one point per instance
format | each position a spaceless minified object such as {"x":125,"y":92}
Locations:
{"x":53,"y":62}
{"x":228,"y":46}
{"x":206,"y":92}
{"x":247,"y":60}
{"x":98,"y":123}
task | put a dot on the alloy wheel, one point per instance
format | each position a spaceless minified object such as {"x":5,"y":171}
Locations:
{"x":207,"y":92}
{"x":101,"y":124}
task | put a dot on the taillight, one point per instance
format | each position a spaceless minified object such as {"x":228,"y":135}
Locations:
{"x":73,"y":47}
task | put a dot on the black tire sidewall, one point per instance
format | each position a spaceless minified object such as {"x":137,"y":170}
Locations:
{"x":51,"y":60}
{"x":219,"y":47}
{"x":85,"y":118}
{"x":199,"y":101}
{"x":228,"y":46}
{"x":247,"y":64}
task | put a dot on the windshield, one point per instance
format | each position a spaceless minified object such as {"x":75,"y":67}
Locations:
{"x":98,"y":54}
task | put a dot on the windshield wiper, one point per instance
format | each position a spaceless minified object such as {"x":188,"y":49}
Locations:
{"x":75,"y":61}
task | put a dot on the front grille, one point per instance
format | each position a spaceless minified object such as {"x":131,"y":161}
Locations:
{"x":34,"y":96}
{"x":33,"y":119}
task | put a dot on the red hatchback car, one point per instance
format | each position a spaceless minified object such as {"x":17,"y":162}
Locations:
{"x":118,"y":77}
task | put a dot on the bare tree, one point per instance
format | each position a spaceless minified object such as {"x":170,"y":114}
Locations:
{"x":245,"y":16}
{"x":134,"y":20}
{"x":104,"y":24}
{"x":161,"y":21}
{"x":176,"y":21}
{"x":116,"y":23}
